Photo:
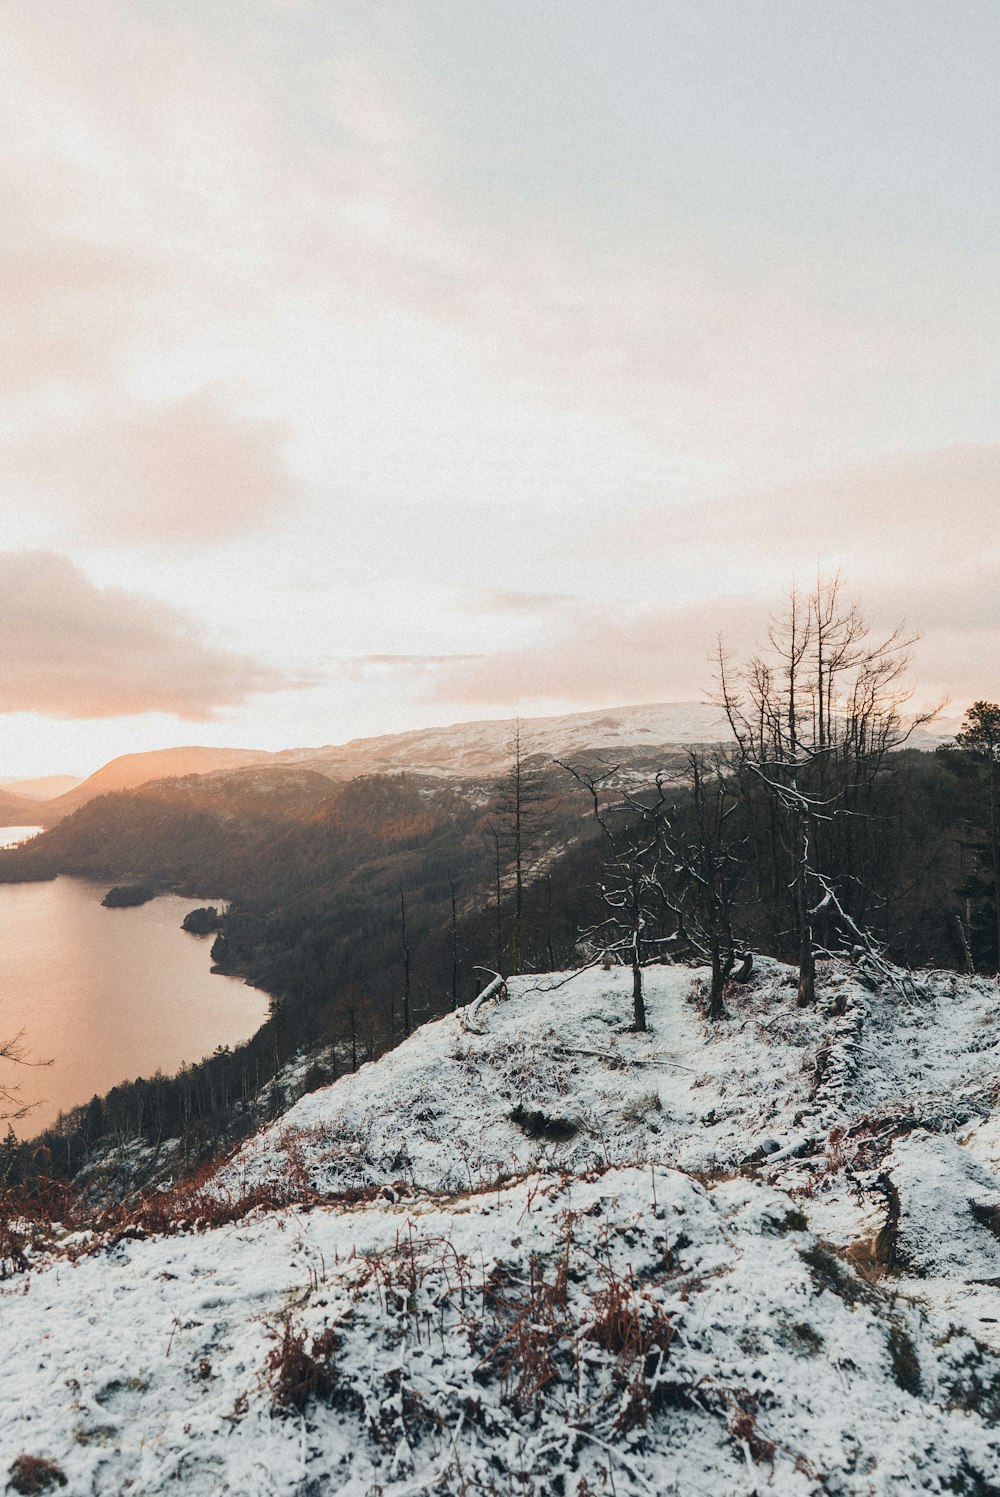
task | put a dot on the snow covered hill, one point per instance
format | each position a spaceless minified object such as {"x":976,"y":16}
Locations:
{"x":534,"y":1252}
{"x":477,"y":750}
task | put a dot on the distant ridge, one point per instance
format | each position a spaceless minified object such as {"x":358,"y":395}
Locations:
{"x":130,"y":770}
{"x":47,"y":788}
{"x":20,"y":810}
{"x":483,"y":748}
{"x":478,"y":749}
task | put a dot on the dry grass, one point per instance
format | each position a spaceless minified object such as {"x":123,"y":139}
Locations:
{"x":33,"y":1474}
{"x":296,"y":1374}
{"x":41,"y":1217}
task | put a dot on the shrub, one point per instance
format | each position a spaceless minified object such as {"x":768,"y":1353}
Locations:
{"x":297,"y":1373}
{"x":33,"y":1474}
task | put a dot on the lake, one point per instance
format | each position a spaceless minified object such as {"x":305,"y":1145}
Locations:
{"x":107,"y":995}
{"x":11,"y":835}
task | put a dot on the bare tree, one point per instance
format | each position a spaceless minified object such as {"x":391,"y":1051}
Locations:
{"x":632,"y":877}
{"x":494,"y":832}
{"x":705,"y":863}
{"x":11,"y":1106}
{"x":405,"y":947}
{"x":519,"y":817}
{"x":454,"y":948}
{"x":814,"y":716}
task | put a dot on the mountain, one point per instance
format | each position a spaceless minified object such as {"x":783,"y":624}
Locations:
{"x":482,"y":749}
{"x":639,"y":735}
{"x":642,"y":737}
{"x":46,"y":788}
{"x":130,"y":770}
{"x":19,"y":810}
{"x":531,"y":1252}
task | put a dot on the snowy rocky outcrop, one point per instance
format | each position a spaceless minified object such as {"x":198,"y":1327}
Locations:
{"x":556,"y":1256}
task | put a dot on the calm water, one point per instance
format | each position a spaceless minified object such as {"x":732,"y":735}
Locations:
{"x":108,"y":995}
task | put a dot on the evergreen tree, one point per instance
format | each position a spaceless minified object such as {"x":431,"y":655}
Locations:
{"x":979,"y":741}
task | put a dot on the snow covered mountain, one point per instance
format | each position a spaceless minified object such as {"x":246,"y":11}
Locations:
{"x":531,"y":1251}
{"x":483,"y":749}
{"x":642,"y":735}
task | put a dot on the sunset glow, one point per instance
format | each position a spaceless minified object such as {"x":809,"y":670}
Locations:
{"x":372,"y":367}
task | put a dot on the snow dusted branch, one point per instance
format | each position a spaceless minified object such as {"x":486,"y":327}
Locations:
{"x":495,"y":989}
{"x":867,"y":952}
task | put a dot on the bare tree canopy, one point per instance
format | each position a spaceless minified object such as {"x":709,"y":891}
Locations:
{"x":11,"y":1106}
{"x":814,"y":716}
{"x":632,"y":877}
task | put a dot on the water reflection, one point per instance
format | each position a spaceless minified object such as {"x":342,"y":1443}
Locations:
{"x":108,"y":995}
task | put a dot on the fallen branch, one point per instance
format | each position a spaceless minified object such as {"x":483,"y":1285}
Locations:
{"x":619,"y":1060}
{"x":495,"y":989}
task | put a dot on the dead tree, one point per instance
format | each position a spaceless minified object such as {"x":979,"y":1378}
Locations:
{"x":519,"y":818}
{"x":632,"y":878}
{"x":11,"y":1106}
{"x":814,"y":717}
{"x":494,"y":832}
{"x":406,"y":963}
{"x":706,"y":861}
{"x":454,"y":949}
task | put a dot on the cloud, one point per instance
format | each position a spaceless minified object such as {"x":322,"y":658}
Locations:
{"x":598,"y":654}
{"x":74,"y":650}
{"x":915,"y":539}
{"x":362,"y":667}
{"x":65,"y":305}
{"x":603,"y":654}
{"x":911,"y":513}
{"x":520,"y":604}
{"x":188,"y":470}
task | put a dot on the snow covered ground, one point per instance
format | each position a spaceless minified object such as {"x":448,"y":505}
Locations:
{"x":543,"y":1254}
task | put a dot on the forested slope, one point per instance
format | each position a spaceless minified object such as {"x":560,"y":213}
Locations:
{"x":365,"y":906}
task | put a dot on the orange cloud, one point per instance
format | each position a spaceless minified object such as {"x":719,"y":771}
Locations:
{"x":74,"y":650}
{"x":604,"y":654}
{"x":925,"y":511}
{"x":65,"y":303}
{"x":187,"y":470}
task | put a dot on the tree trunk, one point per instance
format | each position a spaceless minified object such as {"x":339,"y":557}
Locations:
{"x":406,"y":964}
{"x":807,"y":975}
{"x":807,"y":960}
{"x":995,"y":848}
{"x":716,"y":1007}
{"x":638,"y":1001}
{"x":496,"y":871}
{"x":454,"y":950}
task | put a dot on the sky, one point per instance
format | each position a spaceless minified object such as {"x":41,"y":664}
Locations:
{"x":366,"y":367}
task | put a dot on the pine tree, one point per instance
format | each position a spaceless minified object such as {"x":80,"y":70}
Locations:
{"x":980,"y":740}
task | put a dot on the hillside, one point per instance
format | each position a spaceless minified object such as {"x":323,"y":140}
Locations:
{"x":473,"y":750}
{"x":642,"y":738}
{"x":20,"y":810}
{"x":482,"y":750}
{"x":131,"y":770}
{"x":46,"y":788}
{"x":464,"y":750}
{"x":531,"y":1251}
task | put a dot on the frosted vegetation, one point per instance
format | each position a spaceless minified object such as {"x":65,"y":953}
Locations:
{"x":545,"y":1253}
{"x":686,"y":1219}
